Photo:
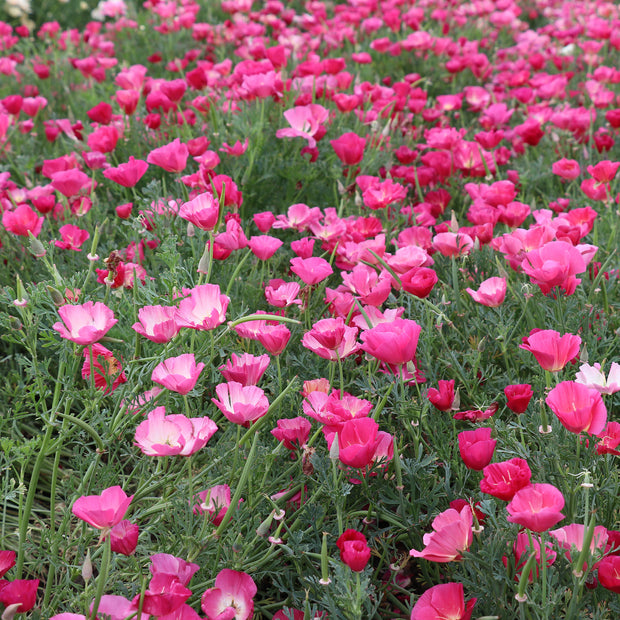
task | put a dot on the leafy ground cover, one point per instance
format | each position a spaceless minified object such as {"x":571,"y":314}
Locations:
{"x":310,"y":310}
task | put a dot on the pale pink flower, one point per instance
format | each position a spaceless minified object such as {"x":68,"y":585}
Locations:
{"x":231,"y":598}
{"x":86,"y":323}
{"x":311,"y":270}
{"x":305,"y":121}
{"x":282,"y":294}
{"x":202,"y":211}
{"x":491,"y":292}
{"x":593,"y":377}
{"x":178,"y":374}
{"x":331,"y":339}
{"x":241,"y":404}
{"x":167,"y":435}
{"x":157,"y":323}
{"x":246,"y":369}
{"x":205,"y":308}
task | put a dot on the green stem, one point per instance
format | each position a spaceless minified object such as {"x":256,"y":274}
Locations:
{"x":103,"y":576}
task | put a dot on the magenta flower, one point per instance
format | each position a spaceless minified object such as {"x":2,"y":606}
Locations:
{"x":22,"y":220}
{"x":86,"y":323}
{"x":536,"y":507}
{"x":72,"y":237}
{"x":166,"y":435}
{"x":124,"y":537}
{"x":476,"y":448}
{"x":361,"y":443}
{"x":103,"y":511}
{"x":127,"y":174}
{"x":503,"y":480}
{"x":241,"y":404}
{"x":178,"y":374}
{"x":231,"y":598}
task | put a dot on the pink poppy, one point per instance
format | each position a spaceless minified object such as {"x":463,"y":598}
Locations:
{"x":349,"y":148}
{"x":536,"y":507}
{"x":232,"y":597}
{"x":246,"y":369}
{"x":503,"y":480}
{"x":72,"y":237}
{"x":171,"y":157}
{"x":491,"y":292}
{"x":476,"y":448}
{"x":452,"y":534}
{"x":311,"y":270}
{"x":578,"y":407}
{"x":354,"y":550}
{"x":518,"y":397}
{"x":331,"y":339}
{"x":178,"y":374}
{"x":445,"y":600}
{"x":102,"y":511}
{"x":214,"y":502}
{"x":205,"y":308}
{"x":551,"y":350}
{"x":394,"y":343}
{"x":127,"y":174}
{"x":443,"y":397}
{"x":157,"y":323}
{"x":361,"y":443}
{"x":293,"y":433}
{"x":241,"y":404}
{"x":22,"y":220}
{"x":86,"y":323}
{"x":264,"y":246}
{"x":202,"y":211}
{"x":176,"y":434}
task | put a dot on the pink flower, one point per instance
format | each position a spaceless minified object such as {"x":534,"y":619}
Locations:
{"x":452,"y":534}
{"x":167,"y":564}
{"x":241,"y":404}
{"x":215,"y":502}
{"x":578,"y":407}
{"x":491,"y":292}
{"x":171,"y":157}
{"x":566,"y":168}
{"x":445,"y":601}
{"x":293,"y":433}
{"x":157,"y":323}
{"x":394,"y":343}
{"x":503,"y":480}
{"x":476,"y":448}
{"x":20,"y":592}
{"x":522,"y":549}
{"x":86,"y":323}
{"x":551,"y":350}
{"x":311,"y":270}
{"x":205,"y":308}
{"x":108,"y":370}
{"x":331,"y":339}
{"x":556,"y":263}
{"x":231,"y":598}
{"x":246,"y":369}
{"x":202,"y":211}
{"x":264,"y":246}
{"x":282,"y":294}
{"x":453,"y":244}
{"x":536,"y":507}
{"x":571,"y":538}
{"x":178,"y":374}
{"x":305,"y":122}
{"x":274,"y":338}
{"x":72,"y":237}
{"x":102,"y":511}
{"x":71,"y":182}
{"x":167,"y":435}
{"x":22,"y":220}
{"x":127,"y":174}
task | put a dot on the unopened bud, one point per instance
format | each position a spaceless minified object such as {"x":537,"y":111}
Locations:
{"x":57,"y":296}
{"x":205,"y":260}
{"x":10,"y":611}
{"x":87,"y":567}
{"x":36,"y":247}
{"x":263,"y":528}
{"x":334,"y":450}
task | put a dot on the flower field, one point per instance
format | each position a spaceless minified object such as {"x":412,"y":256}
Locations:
{"x":310,"y":309}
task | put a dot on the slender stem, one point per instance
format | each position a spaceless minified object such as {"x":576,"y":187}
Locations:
{"x":103,"y":575}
